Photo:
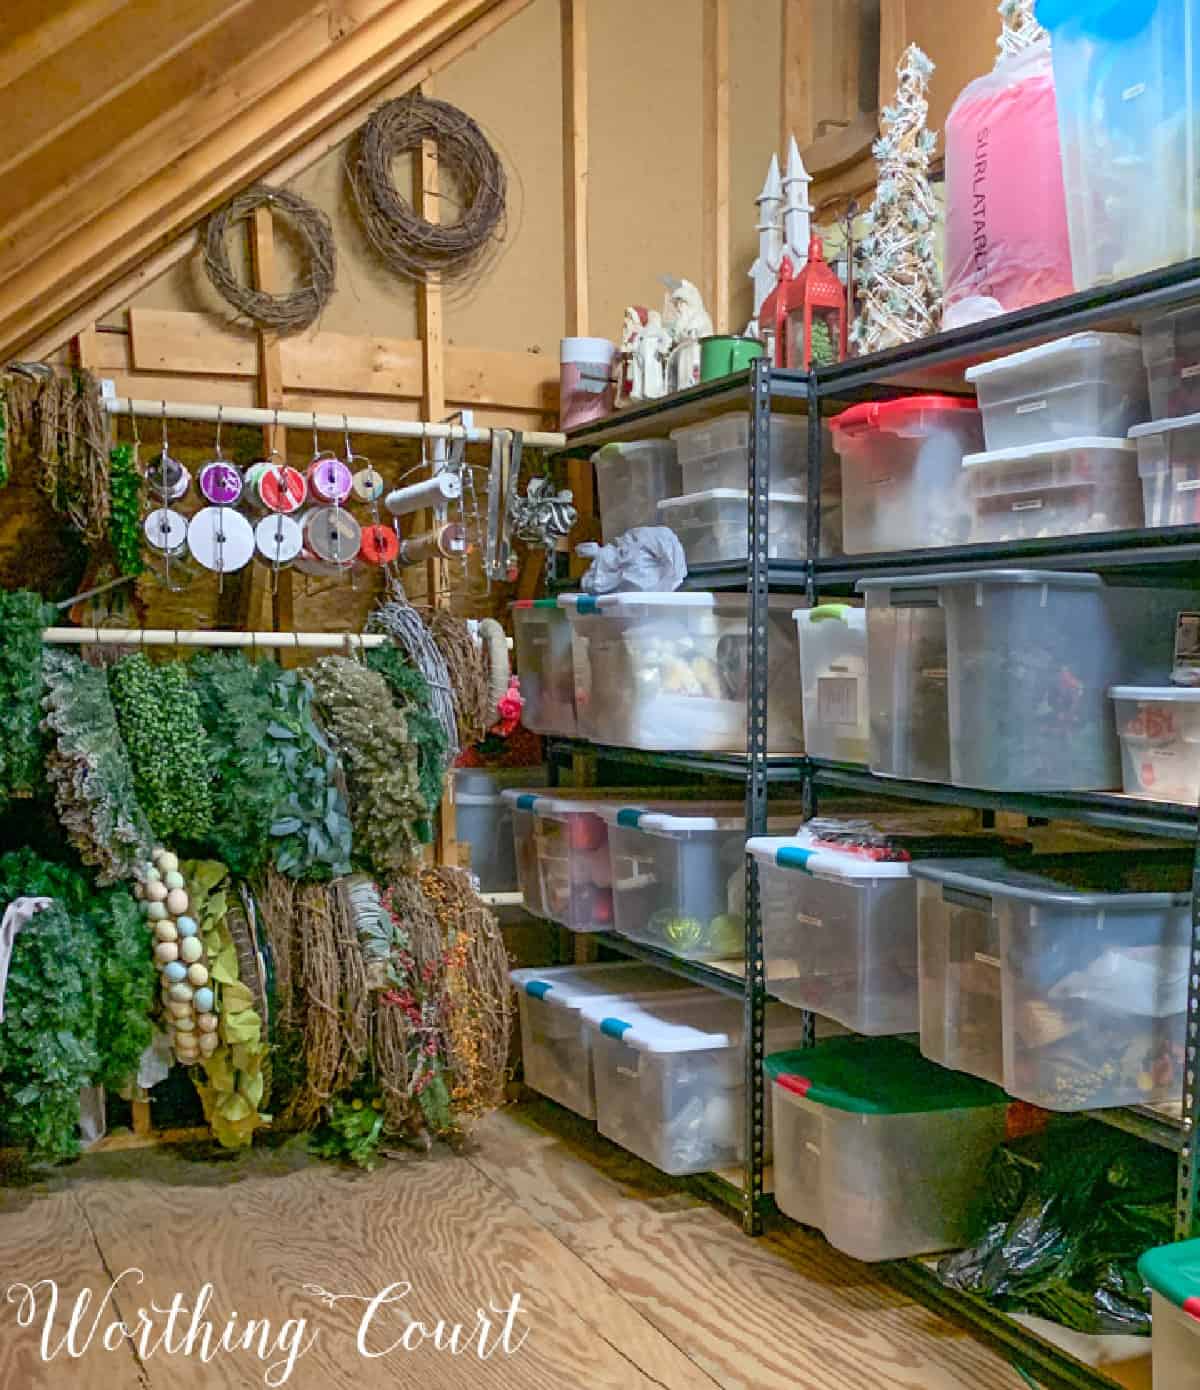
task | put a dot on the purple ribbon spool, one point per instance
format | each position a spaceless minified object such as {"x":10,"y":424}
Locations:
{"x":330,"y":479}
{"x":221,"y":483}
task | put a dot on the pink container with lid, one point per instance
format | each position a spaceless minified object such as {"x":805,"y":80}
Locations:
{"x":585,"y":387}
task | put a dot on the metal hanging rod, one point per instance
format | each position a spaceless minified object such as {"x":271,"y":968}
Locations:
{"x":320,"y":420}
{"x":183,"y":637}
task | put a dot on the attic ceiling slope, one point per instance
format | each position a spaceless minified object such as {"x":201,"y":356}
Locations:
{"x":105,"y":174}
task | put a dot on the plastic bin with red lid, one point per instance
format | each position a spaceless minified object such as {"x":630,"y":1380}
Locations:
{"x":903,"y":485}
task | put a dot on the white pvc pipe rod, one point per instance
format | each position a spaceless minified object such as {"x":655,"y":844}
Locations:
{"x":433,"y":492}
{"x":307,"y":420}
{"x":184,"y":637}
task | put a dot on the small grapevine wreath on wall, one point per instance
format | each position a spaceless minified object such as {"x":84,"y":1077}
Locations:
{"x":408,"y":243}
{"x":280,"y":313}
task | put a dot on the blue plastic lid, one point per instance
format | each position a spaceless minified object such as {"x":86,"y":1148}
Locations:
{"x":1111,"y":20}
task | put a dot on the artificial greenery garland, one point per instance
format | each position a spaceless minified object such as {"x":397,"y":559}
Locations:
{"x":22,"y":617}
{"x":128,"y":983}
{"x":411,"y":692}
{"x":125,"y":514}
{"x":159,"y":716}
{"x":90,"y":772}
{"x":4,"y":468}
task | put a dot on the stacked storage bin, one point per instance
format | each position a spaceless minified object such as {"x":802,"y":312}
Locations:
{"x":671,"y":1076}
{"x":1173,"y":1274}
{"x":556,"y":1045}
{"x":631,"y":480}
{"x":879,"y":1149}
{"x":483,"y":820}
{"x":1072,"y":972}
{"x":542,"y":644}
{"x":833,"y":673}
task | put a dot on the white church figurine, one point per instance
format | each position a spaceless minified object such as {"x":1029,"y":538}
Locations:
{"x":784,"y":226}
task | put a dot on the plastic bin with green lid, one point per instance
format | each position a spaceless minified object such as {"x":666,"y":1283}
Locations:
{"x":1173,"y":1273}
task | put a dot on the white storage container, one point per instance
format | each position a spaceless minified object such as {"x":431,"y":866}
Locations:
{"x":712,"y":526}
{"x":1069,"y":487}
{"x":715,"y":453}
{"x":902,"y":477}
{"x":483,"y":820}
{"x":631,"y":480}
{"x":556,"y":1044}
{"x":879,"y":1149}
{"x":666,"y":671}
{"x":1169,"y":465}
{"x":1090,"y":384}
{"x":1173,"y":1274}
{"x":1031,"y":656}
{"x":833,"y":670}
{"x":906,"y":679}
{"x":1171,"y":351}
{"x":1094,"y":962}
{"x":679,"y":876}
{"x":1159,"y":729}
{"x":542,"y":644}
{"x":671,"y":1077}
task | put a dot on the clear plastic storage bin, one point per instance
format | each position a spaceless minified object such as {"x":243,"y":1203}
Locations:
{"x":715,"y":453}
{"x":833,"y":671}
{"x":1171,"y":352}
{"x":712,"y":526}
{"x":1159,"y":729}
{"x":679,"y":877}
{"x":671,"y":1077}
{"x":902,"y":474}
{"x":542,"y":645}
{"x":1126,"y":75}
{"x":1031,"y":655}
{"x":1173,"y":1274}
{"x":665,"y":671}
{"x":483,"y":820}
{"x":556,"y":1044}
{"x":1087,"y":385}
{"x":1094,"y":961}
{"x":906,"y":679}
{"x":631,"y":480}
{"x":879,"y":1149}
{"x":1169,"y":465}
{"x":1070,"y":487}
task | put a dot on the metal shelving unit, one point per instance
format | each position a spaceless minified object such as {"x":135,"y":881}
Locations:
{"x":1147,"y":556}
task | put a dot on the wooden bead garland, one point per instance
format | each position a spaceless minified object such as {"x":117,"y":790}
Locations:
{"x":187,"y":997}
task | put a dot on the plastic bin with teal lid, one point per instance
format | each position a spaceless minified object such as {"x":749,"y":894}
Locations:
{"x":1127,"y":80}
{"x":879,"y":1148}
{"x":679,"y":875}
{"x":833,"y":674}
{"x":1173,"y":1273}
{"x":542,"y":646}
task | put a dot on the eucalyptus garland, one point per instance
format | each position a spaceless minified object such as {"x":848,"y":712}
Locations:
{"x":22,"y":617}
{"x":125,"y":514}
{"x":159,"y":717}
{"x":411,"y":692}
{"x":372,"y":735}
{"x":90,"y":772}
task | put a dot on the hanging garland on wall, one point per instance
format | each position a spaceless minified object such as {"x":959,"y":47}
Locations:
{"x":281,"y":313}
{"x":408,"y":243}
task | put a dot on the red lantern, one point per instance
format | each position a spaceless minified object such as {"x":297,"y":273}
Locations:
{"x":772,"y":316}
{"x":814,"y":315}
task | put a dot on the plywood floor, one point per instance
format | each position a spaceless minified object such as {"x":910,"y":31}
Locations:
{"x":625,"y":1281}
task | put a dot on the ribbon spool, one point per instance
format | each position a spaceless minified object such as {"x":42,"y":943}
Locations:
{"x":278,"y":539}
{"x":329,"y":480}
{"x":380,"y":545}
{"x":332,"y":537}
{"x":368,"y":485}
{"x":220,"y":539}
{"x":221,"y":484}
{"x":273,"y":487}
{"x":443,"y":541}
{"x":166,"y":532}
{"x":168,"y":478}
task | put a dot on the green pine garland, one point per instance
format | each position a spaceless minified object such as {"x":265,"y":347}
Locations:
{"x":22,"y":617}
{"x":410,"y":690}
{"x":125,"y":514}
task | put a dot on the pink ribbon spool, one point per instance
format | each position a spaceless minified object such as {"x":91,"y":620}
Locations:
{"x":329,"y":480}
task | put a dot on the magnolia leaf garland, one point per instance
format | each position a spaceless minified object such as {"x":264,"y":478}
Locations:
{"x":22,"y":617}
{"x":90,"y":772}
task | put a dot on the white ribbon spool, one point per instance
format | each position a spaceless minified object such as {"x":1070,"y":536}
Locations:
{"x":278,"y":539}
{"x":221,"y":539}
{"x":166,"y":532}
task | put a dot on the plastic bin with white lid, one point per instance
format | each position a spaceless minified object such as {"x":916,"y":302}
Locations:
{"x":1126,"y":79}
{"x":679,"y":876}
{"x":902,"y":477}
{"x":1094,"y":973}
{"x":671,"y":1076}
{"x":1068,"y":487}
{"x":556,"y":1046}
{"x":1159,"y":729}
{"x":1031,"y":655}
{"x":1171,"y":352}
{"x":1173,"y":1274}
{"x":715,"y":453}
{"x":879,"y":1149}
{"x":908,"y":710}
{"x":1089,"y":384}
{"x":1169,"y":465}
{"x":483,"y":820}
{"x":840,"y":924}
{"x":833,"y":672}
{"x":669,"y":671}
{"x":631,"y":480}
{"x":542,"y":646}
{"x":713,"y":526}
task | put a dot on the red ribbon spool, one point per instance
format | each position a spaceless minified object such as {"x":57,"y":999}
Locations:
{"x":379,"y":545}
